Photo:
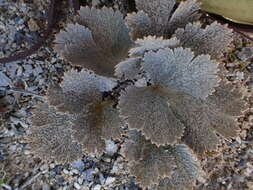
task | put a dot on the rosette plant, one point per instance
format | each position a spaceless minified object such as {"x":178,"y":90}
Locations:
{"x":154,"y":76}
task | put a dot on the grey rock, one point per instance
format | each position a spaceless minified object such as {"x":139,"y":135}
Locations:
{"x":89,"y":174}
{"x":12,"y":68}
{"x":245,"y":54}
{"x":45,"y":186}
{"x":101,"y":178}
{"x":110,"y":180}
{"x":79,"y":165}
{"x":60,"y":180}
{"x":77,"y":186}
{"x":111,"y":147}
{"x":80,"y":180}
{"x":4,"y":80}
{"x":4,"y":3}
{"x":97,"y":187}
{"x":57,"y":169}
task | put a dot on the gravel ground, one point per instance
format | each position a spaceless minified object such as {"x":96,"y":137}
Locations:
{"x":21,"y":24}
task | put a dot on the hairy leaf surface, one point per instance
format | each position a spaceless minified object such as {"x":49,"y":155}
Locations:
{"x":146,"y":109}
{"x":228,"y":99}
{"x":202,"y":121}
{"x":98,"y":123}
{"x":108,"y":29}
{"x":186,"y":12}
{"x":213,"y":40}
{"x":150,"y":163}
{"x":159,"y":12}
{"x":129,"y":69}
{"x":76,"y":44}
{"x":99,"y":41}
{"x":186,"y":172}
{"x":179,"y":69}
{"x":156,"y":17}
{"x":78,"y":90}
{"x":139,"y":23}
{"x":152,"y":43}
{"x":51,"y":135}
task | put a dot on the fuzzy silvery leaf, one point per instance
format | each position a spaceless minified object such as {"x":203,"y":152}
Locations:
{"x":186,"y":12}
{"x":228,"y":99}
{"x":98,"y":42}
{"x":159,"y":12}
{"x":139,"y":23}
{"x":76,"y":44}
{"x":156,"y":17}
{"x":129,"y":69}
{"x":186,"y":172}
{"x":78,"y":90}
{"x":147,"y":109}
{"x":150,"y":163}
{"x":202,"y":121}
{"x":152,"y":43}
{"x":108,"y":29}
{"x":179,"y":69}
{"x":213,"y":40}
{"x":98,"y":123}
{"x":51,"y":135}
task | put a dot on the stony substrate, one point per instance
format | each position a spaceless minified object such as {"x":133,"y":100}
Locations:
{"x":21,"y":24}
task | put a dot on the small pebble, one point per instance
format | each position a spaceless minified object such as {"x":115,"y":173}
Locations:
{"x":75,"y":171}
{"x":77,"y":186}
{"x":80,"y":180}
{"x":111,"y":147}
{"x":65,"y":171}
{"x":245,"y":54}
{"x":46,"y":187}
{"x":33,"y":26}
{"x":79,"y":165}
{"x":97,"y":187}
{"x":110,"y":180}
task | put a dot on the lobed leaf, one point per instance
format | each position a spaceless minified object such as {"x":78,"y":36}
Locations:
{"x":202,"y":121}
{"x":108,"y":29}
{"x":163,"y":114}
{"x":147,"y":109}
{"x":98,"y":42}
{"x":139,"y":24}
{"x":159,"y":12}
{"x":78,"y":90}
{"x":157,"y":17}
{"x":51,"y":135}
{"x":150,"y":163}
{"x":213,"y":40}
{"x":129,"y":69}
{"x":186,"y":12}
{"x":76,"y":45}
{"x":152,"y":43}
{"x":228,"y":99}
{"x":179,"y":69}
{"x":98,"y":123}
{"x":185,"y":174}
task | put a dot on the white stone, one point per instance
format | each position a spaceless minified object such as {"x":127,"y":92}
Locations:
{"x":111,"y":147}
{"x":65,"y":171}
{"x":75,"y":171}
{"x":110,"y":180}
{"x":77,"y":186}
{"x":97,"y":187}
{"x":80,"y":180}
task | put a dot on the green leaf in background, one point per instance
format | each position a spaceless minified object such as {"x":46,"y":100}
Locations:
{"x":240,"y":11}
